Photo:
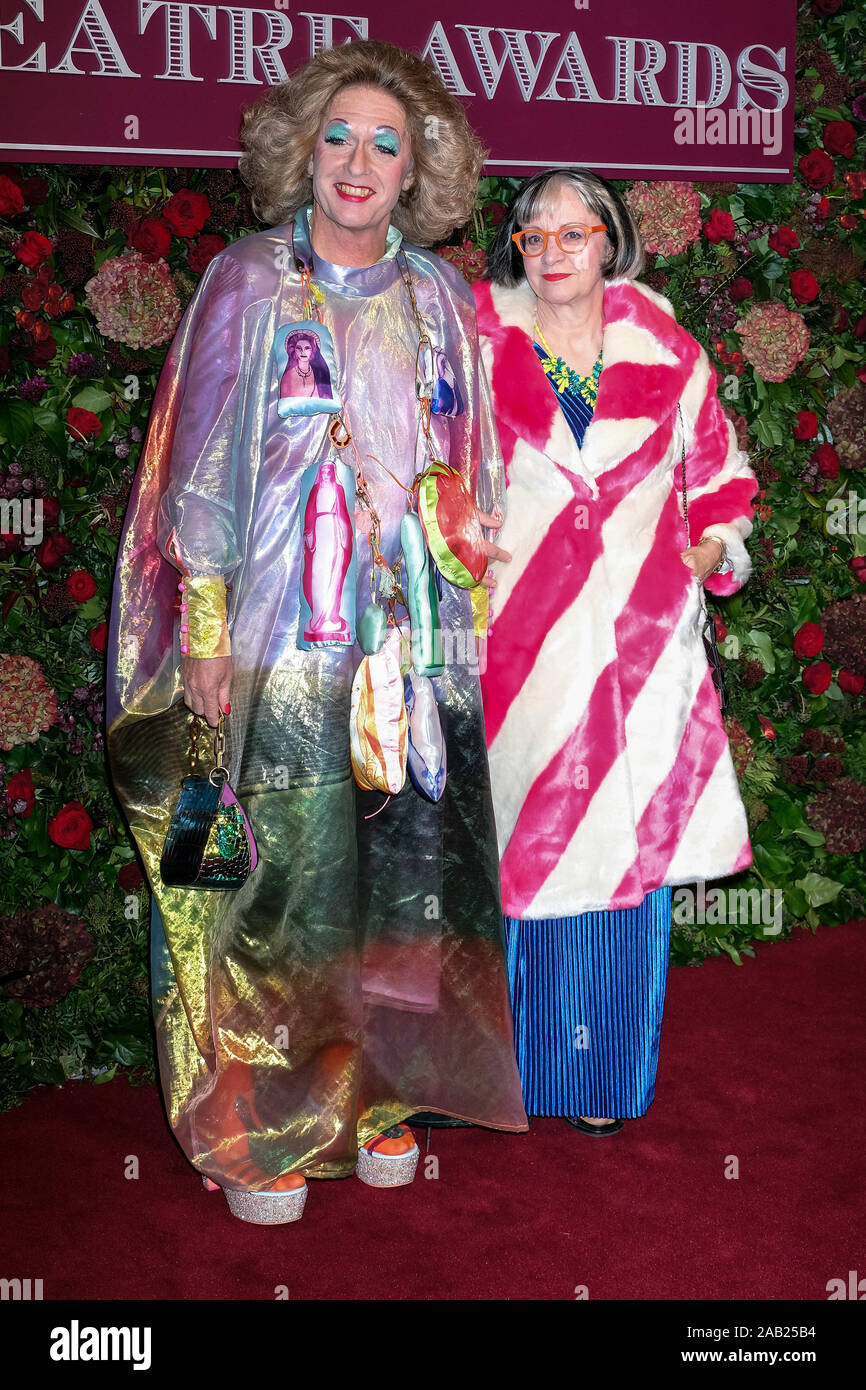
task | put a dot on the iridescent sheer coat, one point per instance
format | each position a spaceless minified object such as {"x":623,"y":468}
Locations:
{"x":357,"y":976}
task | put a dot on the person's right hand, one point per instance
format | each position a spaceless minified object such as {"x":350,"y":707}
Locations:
{"x":206,"y":682}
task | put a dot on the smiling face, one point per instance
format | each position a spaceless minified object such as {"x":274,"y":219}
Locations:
{"x":561,"y":277}
{"x":361,"y":164}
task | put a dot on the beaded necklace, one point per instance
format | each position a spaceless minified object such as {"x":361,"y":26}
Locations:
{"x":565,"y":378}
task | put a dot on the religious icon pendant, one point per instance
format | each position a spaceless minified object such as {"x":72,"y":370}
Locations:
{"x":327,"y":597}
{"x":306,"y":369}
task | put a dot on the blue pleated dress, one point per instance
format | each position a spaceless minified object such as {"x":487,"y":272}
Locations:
{"x":587,"y":992}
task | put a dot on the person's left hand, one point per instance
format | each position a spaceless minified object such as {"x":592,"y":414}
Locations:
{"x":702,"y":558}
{"x":494,"y":552}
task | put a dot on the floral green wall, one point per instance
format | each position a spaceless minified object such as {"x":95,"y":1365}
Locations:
{"x":97,"y":266}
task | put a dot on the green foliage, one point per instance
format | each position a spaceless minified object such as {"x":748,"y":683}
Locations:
{"x":790,"y":746}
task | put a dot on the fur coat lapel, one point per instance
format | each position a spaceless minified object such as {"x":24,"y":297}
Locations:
{"x":646,"y":360}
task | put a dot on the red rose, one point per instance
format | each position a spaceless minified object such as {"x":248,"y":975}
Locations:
{"x":43,"y":352}
{"x":823,"y":208}
{"x":20,"y":788}
{"x":767,"y":726}
{"x":808,"y":640}
{"x":152,"y":237}
{"x":804,"y":286}
{"x":827,"y":460}
{"x":81,"y":424}
{"x":202,"y":251}
{"x":851,"y":683}
{"x":720,"y":227}
{"x":721,"y":630}
{"x":856,"y":181}
{"x":807,"y":425}
{"x":81,"y":585}
{"x":783,"y":241}
{"x":817,"y":169}
{"x":129,"y":877}
{"x":740,"y":289}
{"x":50,"y":511}
{"x":71,"y":827}
{"x":97,"y":636}
{"x":11,"y":199}
{"x":53,"y":551}
{"x":839,"y":137}
{"x":33,"y":249}
{"x":858,"y":568}
{"x":186,"y":212}
{"x":32,"y":294}
{"x":816,"y":678}
{"x":496,"y":212}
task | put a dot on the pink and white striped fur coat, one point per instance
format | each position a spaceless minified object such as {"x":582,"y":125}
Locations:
{"x":610,"y":767}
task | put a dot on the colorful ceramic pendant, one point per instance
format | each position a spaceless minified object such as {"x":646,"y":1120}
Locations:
{"x":327,"y":597}
{"x":378,"y":728}
{"x":451,"y":526}
{"x":421,"y":599}
{"x":426,"y":756}
{"x":372,"y":627}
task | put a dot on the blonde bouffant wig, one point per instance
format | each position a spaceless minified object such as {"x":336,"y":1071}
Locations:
{"x":279,"y":135}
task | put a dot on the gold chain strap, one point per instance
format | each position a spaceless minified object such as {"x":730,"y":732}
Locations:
{"x":196,"y":751}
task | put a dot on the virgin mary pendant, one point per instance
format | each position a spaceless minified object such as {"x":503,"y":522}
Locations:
{"x":327,"y":597}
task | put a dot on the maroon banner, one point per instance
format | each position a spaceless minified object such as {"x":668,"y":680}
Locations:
{"x":645,"y":90}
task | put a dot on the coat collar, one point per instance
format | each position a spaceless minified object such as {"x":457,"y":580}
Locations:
{"x":646,"y":361}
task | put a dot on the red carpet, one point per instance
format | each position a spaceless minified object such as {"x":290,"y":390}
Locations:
{"x":764,"y":1063}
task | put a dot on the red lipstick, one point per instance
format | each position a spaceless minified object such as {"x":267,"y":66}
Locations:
{"x":355,"y":197}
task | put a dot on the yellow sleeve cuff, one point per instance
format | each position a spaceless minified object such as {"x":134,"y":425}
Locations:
{"x":480,"y":609}
{"x":205,"y":616}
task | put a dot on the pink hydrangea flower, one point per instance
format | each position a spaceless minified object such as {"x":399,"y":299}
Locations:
{"x":134,"y":300}
{"x":774,"y":339}
{"x":669,"y":213}
{"x":28,"y":705}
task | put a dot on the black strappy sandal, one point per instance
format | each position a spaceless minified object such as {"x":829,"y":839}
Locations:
{"x":597,"y":1131}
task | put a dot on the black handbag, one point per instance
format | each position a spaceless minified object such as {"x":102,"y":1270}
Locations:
{"x":209,"y":843}
{"x":708,"y":627}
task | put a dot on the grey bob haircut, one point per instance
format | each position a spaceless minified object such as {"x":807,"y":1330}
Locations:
{"x":625,"y":254}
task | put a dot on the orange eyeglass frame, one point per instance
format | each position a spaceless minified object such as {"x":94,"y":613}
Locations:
{"x":515,"y":237}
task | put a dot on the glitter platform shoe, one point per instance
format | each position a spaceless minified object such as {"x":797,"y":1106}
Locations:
{"x":269,"y":1206}
{"x":266,"y":1208}
{"x":379,"y":1169}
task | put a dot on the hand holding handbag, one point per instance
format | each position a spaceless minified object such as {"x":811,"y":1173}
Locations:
{"x":209,"y":842}
{"x":708,"y":628}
